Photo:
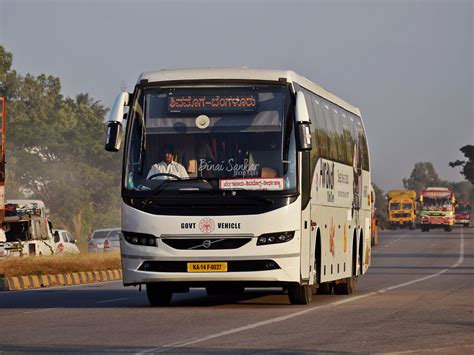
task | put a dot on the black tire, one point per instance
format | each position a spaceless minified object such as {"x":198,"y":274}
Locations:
{"x":466,"y":224}
{"x":448,"y":228}
{"x":347,"y":287}
{"x":425,"y":228}
{"x":300,"y":294}
{"x":158,"y":295}
{"x":325,"y":288}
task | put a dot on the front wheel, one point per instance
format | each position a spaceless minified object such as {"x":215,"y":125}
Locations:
{"x":158,"y":295}
{"x":300,"y":294}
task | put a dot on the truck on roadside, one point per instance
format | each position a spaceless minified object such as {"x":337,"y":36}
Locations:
{"x":401,"y":208}
{"x":27,"y":230}
{"x":462,"y":213}
{"x":3,"y":117}
{"x":436,"y":209}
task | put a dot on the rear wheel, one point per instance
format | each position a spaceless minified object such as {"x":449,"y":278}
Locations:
{"x":325,"y":288}
{"x":158,"y":295}
{"x":466,"y":224}
{"x":347,"y":287}
{"x":448,"y":228}
{"x":300,"y":294}
{"x":425,"y":228}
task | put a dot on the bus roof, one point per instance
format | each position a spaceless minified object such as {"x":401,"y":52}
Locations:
{"x":244,"y":74}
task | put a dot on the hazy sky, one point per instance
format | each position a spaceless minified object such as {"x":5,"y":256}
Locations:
{"x":408,"y":65}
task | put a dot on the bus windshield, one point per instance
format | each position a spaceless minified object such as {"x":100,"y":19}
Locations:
{"x":433,"y":204}
{"x":202,"y":138}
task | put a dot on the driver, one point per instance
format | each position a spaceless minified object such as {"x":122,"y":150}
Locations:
{"x":168,"y":167}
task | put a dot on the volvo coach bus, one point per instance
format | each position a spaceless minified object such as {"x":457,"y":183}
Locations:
{"x":241,"y":178}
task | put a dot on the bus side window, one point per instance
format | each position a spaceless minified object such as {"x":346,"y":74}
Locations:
{"x":339,"y":134}
{"x":332,"y":134}
{"x":322,"y":129}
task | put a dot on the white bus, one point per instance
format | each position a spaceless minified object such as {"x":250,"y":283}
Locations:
{"x":236,"y":178}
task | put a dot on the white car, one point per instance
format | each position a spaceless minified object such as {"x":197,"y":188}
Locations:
{"x":64,"y":242}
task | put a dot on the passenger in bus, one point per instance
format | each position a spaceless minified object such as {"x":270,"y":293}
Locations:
{"x":168,"y":167}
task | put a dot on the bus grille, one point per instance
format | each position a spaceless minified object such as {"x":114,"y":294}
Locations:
{"x":205,"y":244}
{"x":233,"y":266}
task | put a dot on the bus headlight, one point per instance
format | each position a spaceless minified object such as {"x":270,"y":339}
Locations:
{"x":140,"y":239}
{"x":275,"y":238}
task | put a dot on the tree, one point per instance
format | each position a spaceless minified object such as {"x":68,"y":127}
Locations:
{"x":380,"y":206}
{"x":467,"y":166}
{"x":422,"y":176}
{"x":55,"y":152}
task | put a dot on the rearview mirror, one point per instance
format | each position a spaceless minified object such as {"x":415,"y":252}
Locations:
{"x":303,"y":130}
{"x":114,"y":126}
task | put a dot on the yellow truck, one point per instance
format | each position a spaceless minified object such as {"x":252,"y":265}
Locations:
{"x":401,"y":208}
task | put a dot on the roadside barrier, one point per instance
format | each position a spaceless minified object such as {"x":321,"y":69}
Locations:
{"x":74,"y":278}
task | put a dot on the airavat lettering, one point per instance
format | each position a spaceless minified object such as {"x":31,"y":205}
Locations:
{"x":327,"y":175}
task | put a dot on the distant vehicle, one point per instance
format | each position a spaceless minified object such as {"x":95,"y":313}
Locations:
{"x":3,"y":117}
{"x":64,"y":242}
{"x":100,"y":239}
{"x":112,"y":242}
{"x":462,"y":213}
{"x":27,"y":229}
{"x":374,"y":229}
{"x":436,"y":209}
{"x":401,"y":207}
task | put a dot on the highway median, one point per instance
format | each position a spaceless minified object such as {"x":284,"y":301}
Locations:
{"x":58,"y":270}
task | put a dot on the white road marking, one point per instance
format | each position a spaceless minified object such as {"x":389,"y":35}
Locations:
{"x":308,"y":310}
{"x":114,"y":300}
{"x":42,"y":310}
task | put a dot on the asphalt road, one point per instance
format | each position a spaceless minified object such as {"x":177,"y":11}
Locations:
{"x":417,"y":297}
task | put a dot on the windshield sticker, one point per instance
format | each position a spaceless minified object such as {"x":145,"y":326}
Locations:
{"x":245,"y":168}
{"x":212,"y":103}
{"x":252,"y":184}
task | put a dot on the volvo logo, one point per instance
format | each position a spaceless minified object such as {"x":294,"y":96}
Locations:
{"x":206,"y":244}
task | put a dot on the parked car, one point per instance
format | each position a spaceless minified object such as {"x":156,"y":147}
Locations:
{"x":107,"y":239}
{"x":64,"y":242}
{"x":112,"y":242}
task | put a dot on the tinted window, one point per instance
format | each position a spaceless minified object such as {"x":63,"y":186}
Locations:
{"x":114,"y":235}
{"x":100,"y":235}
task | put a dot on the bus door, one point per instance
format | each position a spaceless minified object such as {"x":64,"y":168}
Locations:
{"x":307,"y":237}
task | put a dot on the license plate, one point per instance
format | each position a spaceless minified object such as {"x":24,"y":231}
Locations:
{"x":207,"y":267}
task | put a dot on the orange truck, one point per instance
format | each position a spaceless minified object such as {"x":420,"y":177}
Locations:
{"x":436,"y":209}
{"x":3,"y":116}
{"x":401,"y":208}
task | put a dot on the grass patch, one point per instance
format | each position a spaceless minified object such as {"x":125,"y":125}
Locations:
{"x":58,"y":264}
